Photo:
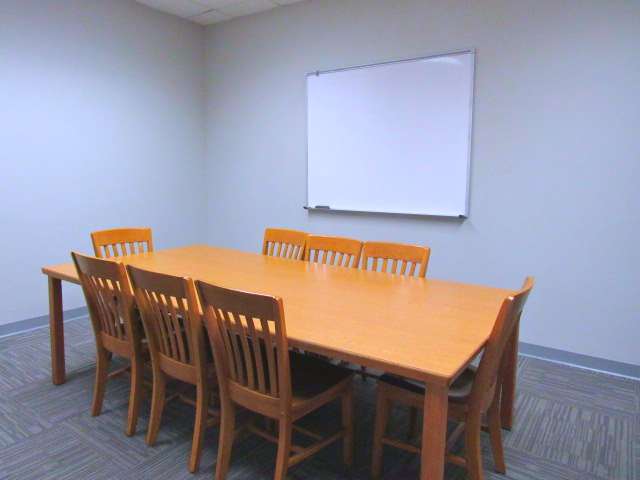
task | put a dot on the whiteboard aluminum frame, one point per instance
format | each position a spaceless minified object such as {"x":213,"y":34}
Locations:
{"x":464,"y":215}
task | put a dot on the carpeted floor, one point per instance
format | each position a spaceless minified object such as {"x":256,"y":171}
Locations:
{"x":571,"y":424}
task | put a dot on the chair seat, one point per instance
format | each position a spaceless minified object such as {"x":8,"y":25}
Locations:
{"x":310,"y":377}
{"x":459,"y":391}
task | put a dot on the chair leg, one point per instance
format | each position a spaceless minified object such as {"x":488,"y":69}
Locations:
{"x":413,"y":423}
{"x":200,"y":426}
{"x":157,"y":406}
{"x":495,"y":433}
{"x":383,"y":407}
{"x":347,"y":424}
{"x":225,"y":442}
{"x":103,"y":359}
{"x":135,"y":395}
{"x":284,"y":449}
{"x":473,"y":452}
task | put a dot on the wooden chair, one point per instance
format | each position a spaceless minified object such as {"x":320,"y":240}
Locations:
{"x":116,"y":327}
{"x":257,"y":371}
{"x":284,"y":243}
{"x":338,"y":251}
{"x":395,"y":258}
{"x":173,"y":325}
{"x":121,"y":241}
{"x":474,"y":394}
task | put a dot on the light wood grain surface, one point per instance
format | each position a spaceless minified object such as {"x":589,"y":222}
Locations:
{"x":424,"y":329}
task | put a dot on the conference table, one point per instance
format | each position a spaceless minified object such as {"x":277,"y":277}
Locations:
{"x":424,"y":329}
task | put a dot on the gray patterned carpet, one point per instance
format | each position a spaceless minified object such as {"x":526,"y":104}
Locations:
{"x":572,"y":425}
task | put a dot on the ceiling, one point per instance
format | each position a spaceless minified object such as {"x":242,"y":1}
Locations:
{"x":207,"y":12}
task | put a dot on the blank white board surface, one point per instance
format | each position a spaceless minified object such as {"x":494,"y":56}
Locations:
{"x":392,"y":137}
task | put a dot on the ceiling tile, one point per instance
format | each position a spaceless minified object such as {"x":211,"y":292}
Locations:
{"x":212,"y":11}
{"x":247,"y":7}
{"x":210,"y":17}
{"x":182,"y":8}
{"x":215,"y":3}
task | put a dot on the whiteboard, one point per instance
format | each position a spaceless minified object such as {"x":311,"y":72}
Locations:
{"x":392,"y":137}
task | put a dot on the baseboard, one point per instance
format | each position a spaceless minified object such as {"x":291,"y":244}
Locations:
{"x":39,"y":322}
{"x":579,"y":360}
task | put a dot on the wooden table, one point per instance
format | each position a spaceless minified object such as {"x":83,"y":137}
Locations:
{"x":424,"y":329}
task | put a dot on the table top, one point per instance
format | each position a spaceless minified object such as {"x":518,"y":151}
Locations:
{"x":421,"y":328}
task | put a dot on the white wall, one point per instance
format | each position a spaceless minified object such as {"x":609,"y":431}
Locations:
{"x":101,"y":125}
{"x":556,"y":149}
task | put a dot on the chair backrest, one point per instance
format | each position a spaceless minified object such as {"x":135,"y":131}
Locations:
{"x":249,"y":341}
{"x":170,"y":314}
{"x":109,"y":299}
{"x":338,"y":251}
{"x":118,"y":242}
{"x":279,"y":242}
{"x":487,"y":374}
{"x":396,"y":258}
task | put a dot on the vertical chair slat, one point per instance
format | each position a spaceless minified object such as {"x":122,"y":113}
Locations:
{"x":237,"y":349}
{"x":104,"y":307}
{"x":169,"y":325}
{"x":257,"y":353}
{"x":183,"y":311}
{"x":178,"y":329}
{"x":271,"y":362}
{"x":246,"y":349}
{"x":222,"y":325}
{"x":153,"y":304}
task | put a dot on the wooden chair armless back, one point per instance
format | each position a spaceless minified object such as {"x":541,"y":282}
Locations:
{"x":171,"y":319}
{"x":110,"y":302}
{"x":279,"y":242}
{"x":250,"y":346}
{"x":338,"y":251}
{"x":118,"y":242}
{"x":486,"y":378}
{"x":395,"y":258}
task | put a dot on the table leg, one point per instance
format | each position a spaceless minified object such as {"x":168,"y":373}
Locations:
{"x":508,"y":381}
{"x":56,"y":327}
{"x":434,"y":432}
